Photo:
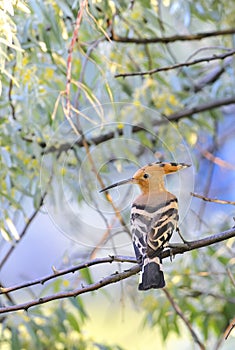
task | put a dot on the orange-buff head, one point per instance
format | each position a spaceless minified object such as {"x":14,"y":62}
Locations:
{"x":151,"y":176}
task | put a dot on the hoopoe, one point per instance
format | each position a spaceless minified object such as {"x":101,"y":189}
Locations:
{"x":154,"y":217}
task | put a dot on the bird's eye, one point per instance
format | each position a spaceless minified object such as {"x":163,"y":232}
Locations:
{"x":146,"y":176}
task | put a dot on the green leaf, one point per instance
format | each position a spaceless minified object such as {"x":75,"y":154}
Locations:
{"x":78,"y":304}
{"x":15,"y":343}
{"x":86,"y":275}
{"x":12,"y":201}
{"x":31,"y":327}
{"x":73,"y":322}
{"x":224,"y":260}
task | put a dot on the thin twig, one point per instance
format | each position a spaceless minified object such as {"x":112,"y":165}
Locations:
{"x":230,"y":275}
{"x":87,"y":55}
{"x":217,"y":160}
{"x":100,"y":180}
{"x":229,"y":329}
{"x":220,"y":201}
{"x":173,"y":38}
{"x":174,"y":117}
{"x":210,"y":171}
{"x":10,"y":94}
{"x":185,"y":112}
{"x":209,"y":77}
{"x":219,"y":342}
{"x":116,"y":277}
{"x":197,"y":293}
{"x":59,"y":273}
{"x":107,"y":234}
{"x":183,"y":318}
{"x":77,"y":128}
{"x":178,"y":65}
{"x":103,"y":239}
{"x":71,"y":47}
{"x":22,"y":234}
{"x":204,"y":242}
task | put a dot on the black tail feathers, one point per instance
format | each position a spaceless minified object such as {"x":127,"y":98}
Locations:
{"x":151,"y":274}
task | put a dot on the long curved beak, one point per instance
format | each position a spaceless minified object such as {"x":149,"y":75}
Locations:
{"x":123,"y":182}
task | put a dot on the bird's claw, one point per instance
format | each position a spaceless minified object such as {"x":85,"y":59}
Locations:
{"x":181,"y":237}
{"x":172,"y":255}
{"x":168,"y":246}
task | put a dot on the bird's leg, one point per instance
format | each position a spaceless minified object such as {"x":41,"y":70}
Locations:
{"x":172,"y":255}
{"x":182,"y":238}
{"x":168,"y":246}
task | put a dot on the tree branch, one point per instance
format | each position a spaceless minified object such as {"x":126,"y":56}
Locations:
{"x":206,"y":199}
{"x":174,"y":117}
{"x":211,"y":77}
{"x":229,"y":329}
{"x":204,"y":242}
{"x":93,"y":141}
{"x":116,"y":277}
{"x":10,"y":94}
{"x":178,"y":65}
{"x":70,"y":52}
{"x":184,"y":319}
{"x":217,"y":160}
{"x":173,"y":38}
{"x":58,"y":273}
{"x":201,"y":108}
{"x":22,"y":234}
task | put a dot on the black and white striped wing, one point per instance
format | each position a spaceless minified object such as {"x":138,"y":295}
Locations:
{"x":164,"y":222}
{"x":140,"y":226}
{"x":153,"y":226}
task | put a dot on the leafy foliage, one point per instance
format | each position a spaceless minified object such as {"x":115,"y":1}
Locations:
{"x":58,"y":328}
{"x":121,"y":124}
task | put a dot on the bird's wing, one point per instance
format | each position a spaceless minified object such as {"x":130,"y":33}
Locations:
{"x":140,"y":226}
{"x":152,"y":226}
{"x":163,"y":224}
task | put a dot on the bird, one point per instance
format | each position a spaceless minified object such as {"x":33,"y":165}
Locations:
{"x":154,"y":217}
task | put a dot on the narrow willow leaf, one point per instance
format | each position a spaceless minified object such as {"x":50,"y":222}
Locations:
{"x":13,"y":229}
{"x":5,"y":234}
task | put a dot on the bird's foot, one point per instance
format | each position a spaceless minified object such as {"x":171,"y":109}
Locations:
{"x":181,"y":237}
{"x":172,"y":255}
{"x":168,"y":247}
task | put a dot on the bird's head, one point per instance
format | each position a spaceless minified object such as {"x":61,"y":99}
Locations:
{"x":150,"y":176}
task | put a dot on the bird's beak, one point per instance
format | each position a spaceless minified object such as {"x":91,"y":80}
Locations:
{"x":123,"y":182}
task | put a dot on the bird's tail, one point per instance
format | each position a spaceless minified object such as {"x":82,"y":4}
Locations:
{"x":151,"y":275}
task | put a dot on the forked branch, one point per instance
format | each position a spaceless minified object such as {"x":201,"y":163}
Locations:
{"x":177,"y":65}
{"x":114,"y":278}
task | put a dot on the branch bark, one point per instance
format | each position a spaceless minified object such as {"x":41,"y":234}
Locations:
{"x":184,"y":319}
{"x":178,"y":65}
{"x":59,"y":273}
{"x":173,"y":38}
{"x":214,"y":200}
{"x":83,"y":5}
{"x":174,"y":117}
{"x":24,"y":231}
{"x":229,"y":329}
{"x":201,"y":108}
{"x":117,"y":276}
